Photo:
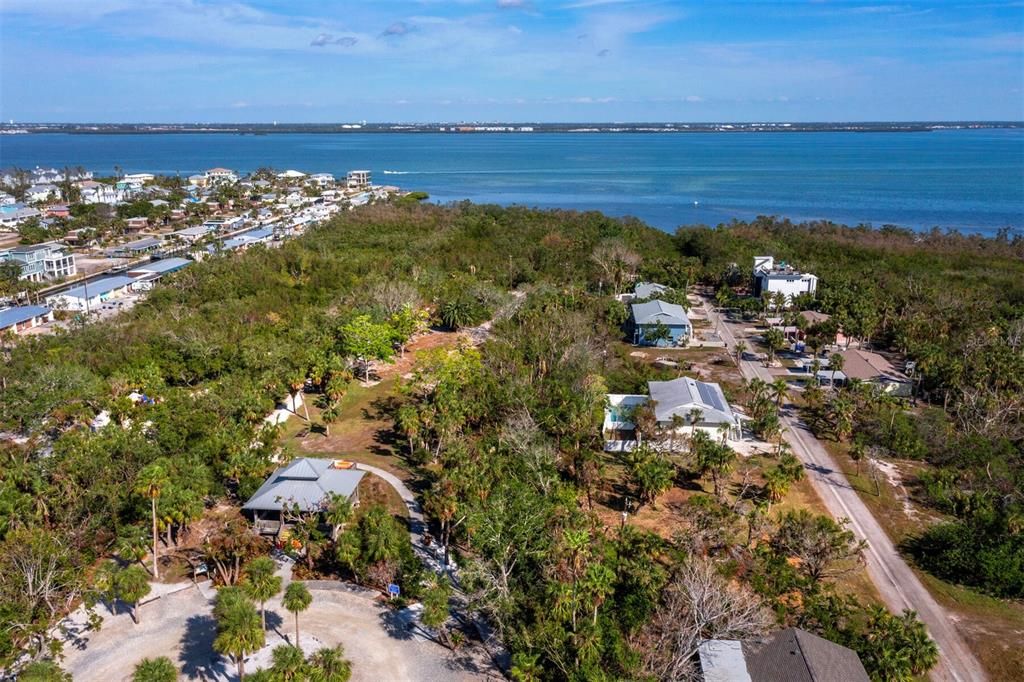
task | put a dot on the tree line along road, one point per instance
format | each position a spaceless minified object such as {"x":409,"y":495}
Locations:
{"x":899,"y":587}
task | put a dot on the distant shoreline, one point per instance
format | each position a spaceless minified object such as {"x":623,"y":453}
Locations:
{"x":523,"y":128}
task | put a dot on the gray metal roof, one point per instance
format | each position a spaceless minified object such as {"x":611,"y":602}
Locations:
{"x":306,"y":482}
{"x":12,"y":316}
{"x":653,"y":312}
{"x":163,"y":265}
{"x":680,"y":396}
{"x":648,"y":289}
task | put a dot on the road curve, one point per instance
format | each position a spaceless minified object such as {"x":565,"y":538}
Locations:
{"x":899,"y":587}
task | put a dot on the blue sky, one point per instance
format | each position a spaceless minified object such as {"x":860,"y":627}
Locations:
{"x":518,"y":60}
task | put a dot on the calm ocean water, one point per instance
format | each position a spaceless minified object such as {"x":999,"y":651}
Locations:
{"x":971,"y":180}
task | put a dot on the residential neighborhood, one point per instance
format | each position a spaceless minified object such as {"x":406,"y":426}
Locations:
{"x":74,"y":242}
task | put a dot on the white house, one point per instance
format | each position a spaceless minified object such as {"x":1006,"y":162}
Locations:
{"x":358,"y":179}
{"x":45,"y":192}
{"x":216,"y":176}
{"x":7,"y":199}
{"x":321,"y":180}
{"x":699,"y":405}
{"x":781,"y":278}
{"x":40,"y":262}
{"x":138,"y":178}
{"x":291,"y":175}
{"x":90,"y":295}
{"x":99,"y":193}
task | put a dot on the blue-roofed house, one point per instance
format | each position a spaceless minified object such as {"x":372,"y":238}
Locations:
{"x":657,"y":323}
{"x":164,"y":266}
{"x":700,"y":405}
{"x":307,"y":484}
{"x":22,"y":318}
{"x":90,"y":295}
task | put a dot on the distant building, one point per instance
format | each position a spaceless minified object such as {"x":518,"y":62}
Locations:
{"x":136,"y":248}
{"x":22,"y":318}
{"x":138,"y":178}
{"x":93,"y":192}
{"x":90,"y":295}
{"x":45,"y":192}
{"x":790,"y":655}
{"x":57,"y":211}
{"x":358,"y":179}
{"x":40,"y":262}
{"x":648,"y":317}
{"x":781,"y":278}
{"x":321,"y":180}
{"x":216,"y":176}
{"x":136,"y":224}
{"x":7,"y":199}
{"x":291,"y":175}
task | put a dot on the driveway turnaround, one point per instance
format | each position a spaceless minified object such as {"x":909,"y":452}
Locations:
{"x":381,"y":644}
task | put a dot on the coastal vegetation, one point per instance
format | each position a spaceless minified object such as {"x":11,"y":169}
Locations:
{"x":504,"y":435}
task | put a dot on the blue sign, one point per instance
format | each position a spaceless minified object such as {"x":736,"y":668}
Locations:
{"x":394,"y":590}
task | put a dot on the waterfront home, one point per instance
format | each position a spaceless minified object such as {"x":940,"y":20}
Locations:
{"x":868,"y":368}
{"x":781,"y":278}
{"x":216,"y":176}
{"x":40,"y":262}
{"x":320,"y":180}
{"x":306,"y":484}
{"x":683,"y":405}
{"x":90,"y":295}
{"x":291,"y":175}
{"x":657,"y":323}
{"x":20,"y":319}
{"x":358,"y":180}
{"x":138,"y":179}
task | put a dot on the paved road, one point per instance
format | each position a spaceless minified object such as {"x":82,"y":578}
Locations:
{"x":896,"y":582}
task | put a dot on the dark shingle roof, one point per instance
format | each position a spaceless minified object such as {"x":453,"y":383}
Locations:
{"x":793,"y":655}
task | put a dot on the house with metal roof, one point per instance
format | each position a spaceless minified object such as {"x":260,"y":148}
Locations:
{"x":91,"y":294}
{"x":164,"y":266}
{"x":20,"y":319}
{"x":307,"y":484}
{"x":657,"y":323}
{"x":683,"y":405}
{"x":790,"y":655}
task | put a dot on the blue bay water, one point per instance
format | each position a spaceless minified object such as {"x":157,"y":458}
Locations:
{"x":971,"y":180}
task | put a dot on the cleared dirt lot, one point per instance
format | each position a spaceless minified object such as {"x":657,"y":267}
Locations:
{"x":180,"y":626}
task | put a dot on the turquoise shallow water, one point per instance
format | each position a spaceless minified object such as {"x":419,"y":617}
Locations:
{"x":971,"y":180}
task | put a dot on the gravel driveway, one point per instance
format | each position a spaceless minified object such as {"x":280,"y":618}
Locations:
{"x":379,"y":642}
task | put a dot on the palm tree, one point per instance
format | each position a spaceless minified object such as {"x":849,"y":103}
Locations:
{"x":150,"y":481}
{"x":774,"y":340}
{"x":261,"y":584}
{"x":289,"y":665}
{"x":779,"y":387}
{"x":238,"y":629}
{"x":835,"y":363}
{"x":155,"y":670}
{"x":130,"y":586}
{"x":297,"y":599}
{"x":740,"y":349}
{"x":329,"y":665}
{"x":857,"y":452}
{"x":776,"y":484}
{"x":337,"y":514}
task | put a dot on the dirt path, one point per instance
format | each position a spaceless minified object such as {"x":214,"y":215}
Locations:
{"x":896,"y":582}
